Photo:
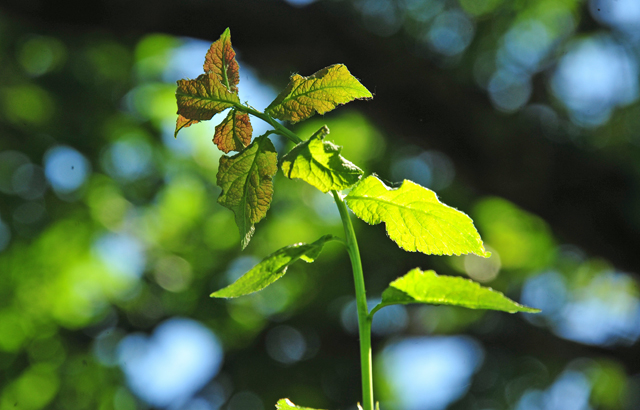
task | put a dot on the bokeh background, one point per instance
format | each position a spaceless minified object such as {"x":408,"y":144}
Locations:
{"x":522,"y":113}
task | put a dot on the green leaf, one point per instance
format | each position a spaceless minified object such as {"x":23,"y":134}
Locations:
{"x":320,"y":164}
{"x":427,"y":287}
{"x":320,"y":92}
{"x":220,"y":61}
{"x":234,"y":132}
{"x":272,"y":268}
{"x":415,"y":219}
{"x":202,"y":98}
{"x":286,"y":404}
{"x":247,"y":188}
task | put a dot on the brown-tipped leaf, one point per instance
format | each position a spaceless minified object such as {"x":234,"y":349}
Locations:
{"x":246,"y":182}
{"x":183,"y":122}
{"x":221,"y":62}
{"x":202,"y":98}
{"x":234,"y":132}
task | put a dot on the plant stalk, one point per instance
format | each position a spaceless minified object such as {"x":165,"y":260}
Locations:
{"x":364,"y":320}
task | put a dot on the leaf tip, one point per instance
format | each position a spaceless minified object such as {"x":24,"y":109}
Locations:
{"x":527,"y":309}
{"x":219,"y":294}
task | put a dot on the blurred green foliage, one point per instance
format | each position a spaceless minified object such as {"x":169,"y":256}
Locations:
{"x":140,"y":239}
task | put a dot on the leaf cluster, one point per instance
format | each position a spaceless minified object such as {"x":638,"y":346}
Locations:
{"x":414,"y":218}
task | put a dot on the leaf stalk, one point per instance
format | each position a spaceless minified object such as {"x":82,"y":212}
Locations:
{"x":280,"y":129}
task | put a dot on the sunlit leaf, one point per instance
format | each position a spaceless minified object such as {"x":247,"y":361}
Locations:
{"x":320,"y":92}
{"x":220,"y":61}
{"x":245,"y":179}
{"x":272,"y":268}
{"x":415,"y":219}
{"x":320,"y":164}
{"x":427,"y":287}
{"x":202,"y":98}
{"x":234,"y":132}
{"x":286,"y":404}
{"x":182,"y":122}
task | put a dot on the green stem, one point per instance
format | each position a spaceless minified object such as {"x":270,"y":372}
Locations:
{"x":364,"y":320}
{"x":280,"y":129}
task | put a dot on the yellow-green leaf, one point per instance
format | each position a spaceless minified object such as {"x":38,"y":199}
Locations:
{"x":320,"y":92}
{"x":272,"y":268}
{"x":220,"y":61}
{"x":428,"y":287}
{"x":234,"y":132}
{"x":202,"y":98}
{"x":415,"y":219}
{"x":247,"y":188}
{"x":182,"y":122}
{"x":320,"y":164}
{"x":286,"y":404}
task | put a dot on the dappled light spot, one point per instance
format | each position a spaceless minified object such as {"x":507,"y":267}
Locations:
{"x":29,"y":213}
{"x":479,"y":8}
{"x":40,"y":54}
{"x":431,"y":169}
{"x":14,"y":330}
{"x":27,"y":104}
{"x":523,"y":240}
{"x":245,"y":400}
{"x":524,"y":47}
{"x":451,"y":33}
{"x":602,"y":311}
{"x":570,"y":391}
{"x":172,"y":364}
{"x":483,"y":269}
{"x":128,"y":158}
{"x":151,"y":55}
{"x":382,"y":17}
{"x":123,"y":253}
{"x":595,"y":76}
{"x":285,"y":344}
{"x":35,"y":388}
{"x":109,"y":62}
{"x":66,"y":169}
{"x":623,"y":15}
{"x":29,"y":181}
{"x":124,"y":400}
{"x":300,"y":3}
{"x":10,"y":163}
{"x":423,"y":10}
{"x":428,"y":373}
{"x":105,"y":346}
{"x":509,"y":91}
{"x":173,"y":273}
{"x":106,"y":202}
{"x":548,"y":291}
